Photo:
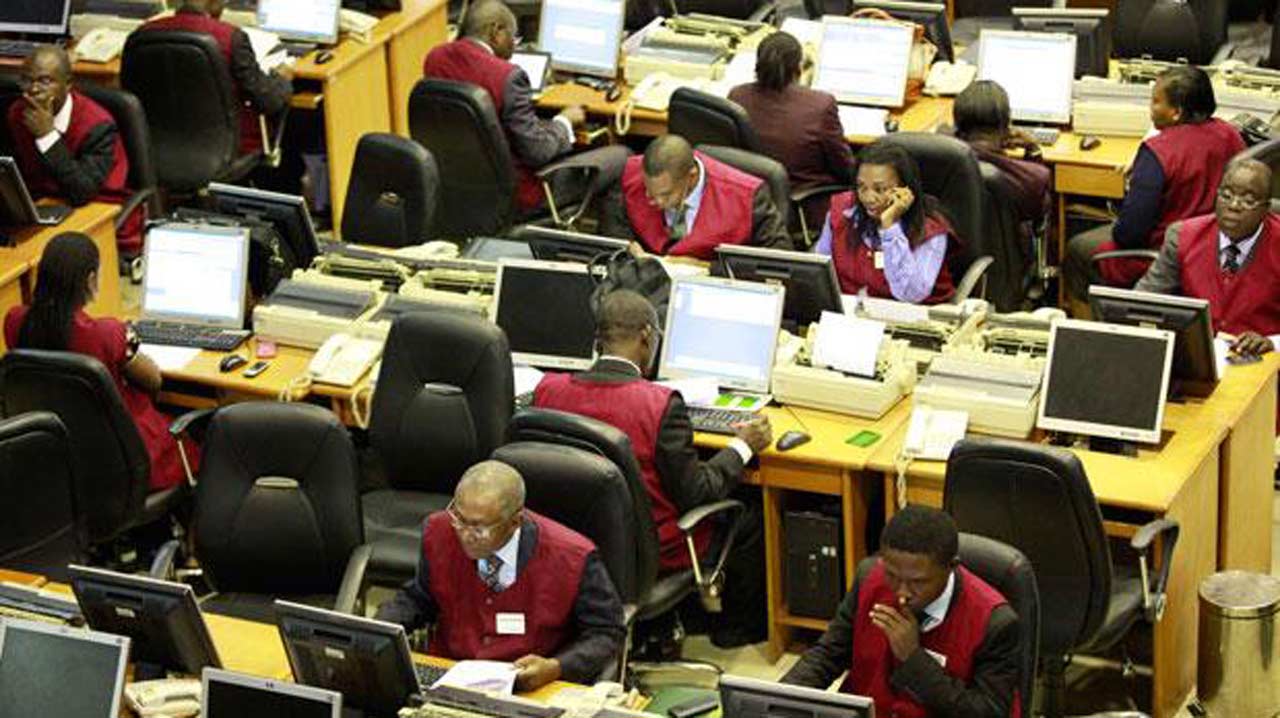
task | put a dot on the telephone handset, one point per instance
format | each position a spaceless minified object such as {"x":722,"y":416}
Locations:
{"x":933,"y":432}
{"x":167,"y":698}
{"x":343,"y":359}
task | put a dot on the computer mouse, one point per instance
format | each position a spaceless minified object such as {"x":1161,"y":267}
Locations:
{"x":613,"y":93}
{"x":1089,"y":142}
{"x":230,"y":362}
{"x":324,"y":56}
{"x":791,"y":440}
{"x":890,"y":125}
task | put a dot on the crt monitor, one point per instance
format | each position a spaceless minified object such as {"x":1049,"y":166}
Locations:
{"x":36,"y":17}
{"x":226,"y":694}
{"x":1037,"y":69}
{"x":287,"y":212}
{"x":931,"y":16}
{"x":16,"y":207}
{"x":558,"y":245}
{"x":301,"y":20}
{"x":1106,"y":380}
{"x":810,"y":279}
{"x":196,"y":274}
{"x":583,"y":36}
{"x":749,"y":698}
{"x":1091,"y":26}
{"x":863,"y":61}
{"x":545,"y":310}
{"x":365,"y":660}
{"x":1195,"y":366}
{"x":161,"y":617}
{"x":55,"y":670}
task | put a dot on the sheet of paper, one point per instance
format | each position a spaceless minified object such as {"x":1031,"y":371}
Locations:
{"x":527,"y":378}
{"x":806,"y":31}
{"x":490,"y":676}
{"x":1221,"y":348}
{"x":741,"y":69}
{"x":700,"y":391}
{"x":888,"y":310}
{"x":848,"y":343}
{"x":169,"y":357}
{"x":862,"y":121}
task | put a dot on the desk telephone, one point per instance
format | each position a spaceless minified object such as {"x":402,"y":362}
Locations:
{"x":170,"y":698}
{"x":933,"y":432}
{"x":947,"y":79}
{"x":343,"y":359}
{"x":102,"y":44}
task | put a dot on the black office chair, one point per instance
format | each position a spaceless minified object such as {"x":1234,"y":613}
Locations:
{"x":757,"y":165}
{"x":457,"y":122}
{"x":1267,"y":153}
{"x":391,"y":201}
{"x":444,"y":396}
{"x":1016,"y":265}
{"x":10,"y":92}
{"x":43,"y":532}
{"x":1005,"y":490}
{"x":706,"y":119}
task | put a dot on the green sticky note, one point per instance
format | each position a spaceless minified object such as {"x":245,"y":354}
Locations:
{"x":724,"y":400}
{"x":863,"y":438}
{"x":748,"y":402}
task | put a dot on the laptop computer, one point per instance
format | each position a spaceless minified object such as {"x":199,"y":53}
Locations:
{"x":16,"y":207}
{"x":55,"y":670}
{"x":227,"y":694}
{"x":535,"y":64}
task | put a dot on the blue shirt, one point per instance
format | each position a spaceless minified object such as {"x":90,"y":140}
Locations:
{"x":912,"y":273}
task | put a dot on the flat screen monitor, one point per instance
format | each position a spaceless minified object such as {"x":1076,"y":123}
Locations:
{"x":16,"y":207}
{"x":160,"y":617}
{"x":1037,"y":69}
{"x":809,"y":279}
{"x":196,"y":274}
{"x":535,"y":65}
{"x":545,"y":310}
{"x":226,"y":694}
{"x":301,"y":20}
{"x":931,"y":16}
{"x":365,"y":660}
{"x":863,"y":61}
{"x":1106,"y":380}
{"x":558,"y":245}
{"x":54,"y":670}
{"x":722,"y":329}
{"x":1091,"y":26}
{"x":287,"y":212}
{"x":582,"y":36}
{"x":1195,"y":366}
{"x":36,"y":17}
{"x":749,"y":698}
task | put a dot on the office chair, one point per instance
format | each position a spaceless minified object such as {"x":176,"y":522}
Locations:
{"x":705,"y":119}
{"x":44,"y":532}
{"x":1004,"y":490}
{"x":391,"y":201}
{"x":135,"y":134}
{"x":1016,"y":265}
{"x":457,"y":123}
{"x":9,"y":93}
{"x":1267,"y":153}
{"x":994,"y":8}
{"x":445,"y":395}
{"x":757,"y":165}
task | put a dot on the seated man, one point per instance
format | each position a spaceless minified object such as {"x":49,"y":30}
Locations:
{"x":920,"y":634}
{"x":482,"y":56}
{"x":500,"y":582}
{"x":1230,"y":257}
{"x":67,"y":145}
{"x":664,"y":195}
{"x":616,"y":392}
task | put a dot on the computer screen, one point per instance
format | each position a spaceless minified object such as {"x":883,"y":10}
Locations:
{"x":196,"y":274}
{"x":16,"y":207}
{"x":1106,"y":380}
{"x":287,"y":212}
{"x":722,"y":329}
{"x":1091,"y":26}
{"x":931,"y":16}
{"x":40,"y":17}
{"x":558,"y":245}
{"x":1195,"y":365}
{"x":749,"y":698}
{"x":582,"y":36}
{"x":535,"y":65}
{"x":301,"y":20}
{"x":863,"y":61}
{"x":545,"y":310}
{"x":225,"y":694}
{"x":1037,"y":69}
{"x":39,"y":662}
{"x":809,"y":279}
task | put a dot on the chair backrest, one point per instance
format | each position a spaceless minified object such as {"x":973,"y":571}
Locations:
{"x":135,"y":133}
{"x":42,"y":532}
{"x":705,"y":119}
{"x":1268,"y":153}
{"x":444,"y":397}
{"x":457,"y":123}
{"x":549,"y":426}
{"x":1037,"y":499}
{"x":815,"y":9}
{"x":185,"y":85}
{"x":1005,"y":569}
{"x":10,"y":92}
{"x":110,"y":462}
{"x":277,"y":503}
{"x":994,"y":8}
{"x":739,"y":9}
{"x":391,"y":200}
{"x":758,"y":165}
{"x":1003,"y":241}
{"x":1170,"y":31}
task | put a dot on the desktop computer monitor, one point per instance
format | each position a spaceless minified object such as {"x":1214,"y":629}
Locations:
{"x":1091,"y":26}
{"x":1195,"y":366}
{"x":16,"y":206}
{"x":863,"y":61}
{"x":196,"y":274}
{"x":1106,"y":380}
{"x":931,"y":16}
{"x":749,"y":698}
{"x":55,"y":670}
{"x":35,"y":17}
{"x":160,"y":617}
{"x":583,"y":36}
{"x":286,"y":212}
{"x":558,"y":245}
{"x":226,"y":694}
{"x":545,"y":310}
{"x":1037,"y":69}
{"x":301,"y":20}
{"x":722,"y":329}
{"x":809,"y":279}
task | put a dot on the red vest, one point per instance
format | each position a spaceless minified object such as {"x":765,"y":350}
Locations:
{"x":958,"y":638}
{"x":1248,"y":300}
{"x":250,"y":130}
{"x":466,"y":61}
{"x":86,"y":115}
{"x":544,"y":591}
{"x":724,"y":217}
{"x":636,"y":408}
{"x":855,"y":261}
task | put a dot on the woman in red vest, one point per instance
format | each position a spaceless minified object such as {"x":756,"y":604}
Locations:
{"x":66,"y":281}
{"x":888,"y":237}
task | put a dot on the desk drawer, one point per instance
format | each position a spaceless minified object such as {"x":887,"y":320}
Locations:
{"x":1090,"y":181}
{"x":801,"y":477}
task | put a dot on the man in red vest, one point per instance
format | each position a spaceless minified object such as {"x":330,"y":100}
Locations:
{"x":677,"y":201}
{"x":482,"y":57}
{"x":500,"y":582}
{"x":67,"y":145}
{"x":920,"y":634}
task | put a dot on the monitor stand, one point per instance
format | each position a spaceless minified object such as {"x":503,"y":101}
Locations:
{"x":1175,"y":394}
{"x":1112,"y":446}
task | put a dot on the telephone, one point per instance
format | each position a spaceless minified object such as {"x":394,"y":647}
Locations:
{"x":170,"y":698}
{"x":946,"y":78}
{"x":343,"y":359}
{"x":355,"y":23}
{"x":1252,"y":128}
{"x":655,"y":90}
{"x":933,"y":432}
{"x":102,"y":44}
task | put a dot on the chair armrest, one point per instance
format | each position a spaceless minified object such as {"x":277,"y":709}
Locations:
{"x":764,"y":13}
{"x":131,"y":205}
{"x":182,"y":424}
{"x":353,"y":580}
{"x":695,"y":516}
{"x":711,"y":585}
{"x":162,"y":564}
{"x":603,"y":166}
{"x":1153,"y":589}
{"x":629,"y":613}
{"x":974,"y":274}
{"x":1149,"y":254}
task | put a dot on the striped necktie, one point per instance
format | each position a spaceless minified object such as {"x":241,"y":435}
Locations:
{"x":1231,"y":258}
{"x":489,"y":573}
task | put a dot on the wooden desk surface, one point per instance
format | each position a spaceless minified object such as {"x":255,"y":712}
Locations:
{"x":97,"y":220}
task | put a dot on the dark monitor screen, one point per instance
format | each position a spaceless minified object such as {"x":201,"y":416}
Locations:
{"x":557,"y":245}
{"x":810,"y":279}
{"x":16,"y":208}
{"x":41,"y":17}
{"x":1195,"y":366}
{"x":545,"y":310}
{"x":750,"y":698}
{"x":288,"y":213}
{"x":931,"y":16}
{"x":237,"y":695}
{"x":1092,"y":28}
{"x":52,"y":670}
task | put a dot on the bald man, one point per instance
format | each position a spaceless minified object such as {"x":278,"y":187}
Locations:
{"x":500,"y":582}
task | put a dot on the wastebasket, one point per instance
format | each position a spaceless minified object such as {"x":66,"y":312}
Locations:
{"x":1238,"y":667}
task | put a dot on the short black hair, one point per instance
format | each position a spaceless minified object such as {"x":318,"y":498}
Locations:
{"x":923,"y":530}
{"x":623,"y":313}
{"x":983,"y":105}
{"x":669,"y":154}
{"x":1188,"y":88}
{"x":778,"y":61}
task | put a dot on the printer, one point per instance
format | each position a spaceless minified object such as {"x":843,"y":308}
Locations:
{"x":310,"y":307}
{"x":1000,"y":392}
{"x":796,"y":381}
{"x":945,"y":325}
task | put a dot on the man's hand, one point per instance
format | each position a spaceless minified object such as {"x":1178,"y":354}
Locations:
{"x":1020,"y":139}
{"x":535,"y":672}
{"x":575,"y":114}
{"x":284,"y":72}
{"x":758,"y":433}
{"x":1252,"y":344}
{"x":901,"y":628}
{"x":37,"y":116}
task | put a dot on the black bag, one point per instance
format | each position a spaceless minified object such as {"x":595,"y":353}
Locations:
{"x":267,"y":265}
{"x":624,"y":270}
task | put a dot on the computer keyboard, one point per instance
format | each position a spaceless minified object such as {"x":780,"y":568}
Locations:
{"x":190,"y":335}
{"x":1043,"y":135}
{"x":21,"y":602}
{"x":428,"y":674}
{"x":717,"y":421}
{"x":17,"y":48}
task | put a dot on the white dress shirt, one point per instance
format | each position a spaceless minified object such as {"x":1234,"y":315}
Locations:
{"x":691,"y":203}
{"x":61,"y":121}
{"x":936,"y":612}
{"x":509,"y":554}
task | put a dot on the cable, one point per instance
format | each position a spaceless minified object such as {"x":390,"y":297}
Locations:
{"x":622,"y":116}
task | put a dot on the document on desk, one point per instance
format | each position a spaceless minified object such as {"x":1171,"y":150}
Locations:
{"x":862,"y":121}
{"x":167,"y":357}
{"x":489,"y":676}
{"x":848,"y":344}
{"x":696,"y":391}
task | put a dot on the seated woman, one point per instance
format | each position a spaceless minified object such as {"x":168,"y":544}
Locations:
{"x":887,"y":236}
{"x":66,"y":281}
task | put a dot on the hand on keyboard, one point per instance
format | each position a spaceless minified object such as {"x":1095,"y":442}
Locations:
{"x":757,"y":433}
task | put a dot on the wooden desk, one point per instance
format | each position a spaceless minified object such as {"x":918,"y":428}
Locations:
{"x":18,"y":263}
{"x":421,"y":25}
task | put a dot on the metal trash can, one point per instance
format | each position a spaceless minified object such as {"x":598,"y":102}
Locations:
{"x":1238,"y":666}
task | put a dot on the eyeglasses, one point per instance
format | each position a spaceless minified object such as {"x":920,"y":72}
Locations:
{"x":1243,"y":201}
{"x":482,"y":533}
{"x":42,"y":81}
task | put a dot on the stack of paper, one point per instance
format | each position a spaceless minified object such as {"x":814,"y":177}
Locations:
{"x":862,"y":121}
